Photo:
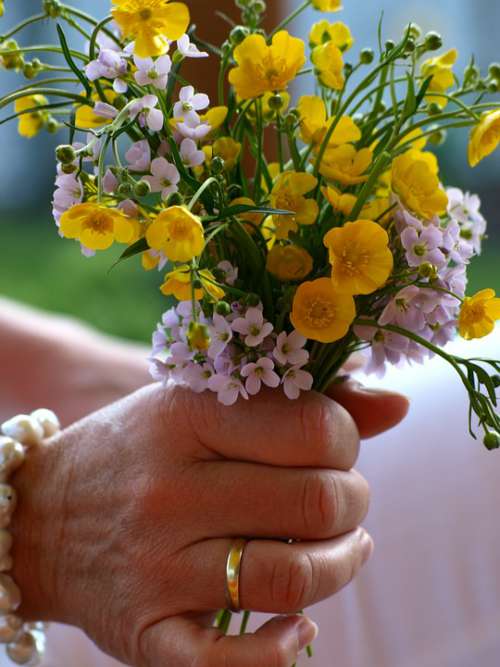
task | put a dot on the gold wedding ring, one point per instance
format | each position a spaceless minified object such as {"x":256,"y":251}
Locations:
{"x":233,"y":568}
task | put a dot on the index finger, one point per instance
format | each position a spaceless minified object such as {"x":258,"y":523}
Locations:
{"x":313,"y":431}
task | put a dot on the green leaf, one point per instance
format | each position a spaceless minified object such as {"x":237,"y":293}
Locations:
{"x":411,"y":100}
{"x":234,"y":211}
{"x":69,"y":59}
{"x":136,"y":248}
{"x":423,"y":91}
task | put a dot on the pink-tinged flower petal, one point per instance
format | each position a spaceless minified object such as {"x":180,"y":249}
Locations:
{"x":155,"y":120}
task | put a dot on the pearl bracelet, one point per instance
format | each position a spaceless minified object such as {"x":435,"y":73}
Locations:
{"x":25,"y":642}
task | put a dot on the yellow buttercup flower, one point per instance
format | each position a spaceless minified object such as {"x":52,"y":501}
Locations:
{"x":378,"y":209}
{"x":151,"y":23}
{"x":31,"y":123}
{"x":328,"y":5}
{"x":485,"y":137}
{"x":289,"y":262}
{"x":97,"y":227}
{"x":346,"y":165}
{"x":479,"y":314}
{"x":321,"y":313}
{"x":178,"y":284}
{"x":441,"y":70}
{"x":288,"y":194}
{"x":338,"y":33}
{"x":2,"y":8}
{"x":360,"y":256}
{"x":328,"y":61}
{"x":85,"y":116}
{"x":314,"y":124}
{"x":340,"y":201}
{"x":262,"y":68}
{"x":416,"y":182}
{"x":177,"y":233}
{"x":229,"y":150}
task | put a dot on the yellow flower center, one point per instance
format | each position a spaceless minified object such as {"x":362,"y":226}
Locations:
{"x":145,"y":14}
{"x":99,"y":223}
{"x":180,"y":231}
{"x":320,"y":313}
{"x":353,"y":261}
{"x":473,"y":313}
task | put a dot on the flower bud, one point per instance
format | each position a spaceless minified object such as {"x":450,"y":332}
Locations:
{"x":496,"y":380}
{"x":276,"y":102}
{"x":223,"y":308}
{"x":125,"y":190}
{"x":367,"y":56}
{"x":65,"y":154}
{"x":414,"y":30}
{"x":492,"y":440}
{"x":52,"y":125}
{"x":259,"y":7}
{"x":142,"y":189}
{"x":493,"y":86}
{"x":175,"y":199}
{"x":471,"y":74}
{"x":238,"y":34}
{"x":389,"y":45}
{"x":252,"y":300}
{"x":29,"y":71}
{"x":11,"y":61}
{"x":433,"y":41}
{"x":217,"y":165}
{"x":52,"y":8}
{"x":438,"y":137}
{"x":494,"y":70}
{"x":199,"y":336}
{"x":348,"y":69}
{"x":433,"y":109}
{"x":428,"y":271}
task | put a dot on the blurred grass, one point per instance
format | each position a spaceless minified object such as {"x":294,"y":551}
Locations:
{"x":39,"y":268}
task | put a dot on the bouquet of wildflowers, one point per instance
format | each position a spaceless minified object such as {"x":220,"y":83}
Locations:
{"x":289,"y":231}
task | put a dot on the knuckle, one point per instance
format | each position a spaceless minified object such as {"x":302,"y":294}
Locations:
{"x":292,"y":582}
{"x":321,"y":504}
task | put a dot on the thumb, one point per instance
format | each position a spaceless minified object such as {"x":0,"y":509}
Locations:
{"x":373,"y":410}
{"x":183,"y":642}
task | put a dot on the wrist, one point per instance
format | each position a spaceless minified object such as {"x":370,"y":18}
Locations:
{"x":36,"y":529}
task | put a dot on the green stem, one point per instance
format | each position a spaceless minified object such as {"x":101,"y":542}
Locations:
{"x":200,"y":191}
{"x":44,"y":48}
{"x":24,"y":24}
{"x":244,"y":622}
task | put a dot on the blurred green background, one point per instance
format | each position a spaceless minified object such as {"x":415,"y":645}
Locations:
{"x":39,"y":268}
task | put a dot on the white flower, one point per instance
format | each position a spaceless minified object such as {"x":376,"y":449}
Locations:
{"x":228,"y":389}
{"x":153,"y":72}
{"x":165,"y":177}
{"x":464,"y":208}
{"x":289,"y":349}
{"x":194,"y":129}
{"x":197,"y":376}
{"x":110,"y":64}
{"x":260,"y":373}
{"x":189,"y":103}
{"x":253,"y":327}
{"x":109,"y":182}
{"x":221,"y":335}
{"x":138,"y":156}
{"x":104,"y":110}
{"x":149,"y":115}
{"x":296,"y":380}
{"x":188,"y":49}
{"x":191,"y":156}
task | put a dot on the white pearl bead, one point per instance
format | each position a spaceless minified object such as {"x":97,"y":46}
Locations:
{"x":5,"y":543}
{"x":10,"y":626}
{"x":23,"y":650}
{"x":12,"y":456}
{"x":10,"y":595}
{"x":48,"y":421}
{"x":24,"y":429}
{"x":8,"y":502}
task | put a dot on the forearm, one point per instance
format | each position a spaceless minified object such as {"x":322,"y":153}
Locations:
{"x":60,"y":362}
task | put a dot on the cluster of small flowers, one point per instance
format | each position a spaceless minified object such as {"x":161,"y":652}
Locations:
{"x":157,"y":171}
{"x":437,"y":254}
{"x":242,"y":353}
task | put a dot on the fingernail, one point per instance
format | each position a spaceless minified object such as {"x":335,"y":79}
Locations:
{"x":307,"y":632}
{"x":367,"y":547}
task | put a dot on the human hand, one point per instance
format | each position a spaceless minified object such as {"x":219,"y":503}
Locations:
{"x":126,"y":520}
